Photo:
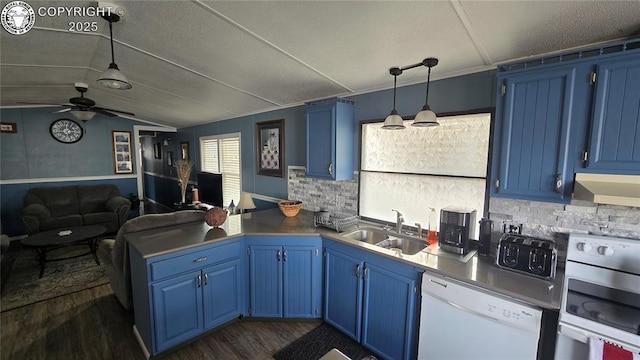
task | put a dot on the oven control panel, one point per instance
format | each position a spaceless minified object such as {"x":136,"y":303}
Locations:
{"x":610,"y":252}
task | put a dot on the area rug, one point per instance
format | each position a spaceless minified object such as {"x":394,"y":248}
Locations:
{"x":320,"y":341}
{"x":23,"y":285}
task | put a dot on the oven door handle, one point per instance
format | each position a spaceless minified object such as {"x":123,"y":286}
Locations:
{"x":583,"y":336}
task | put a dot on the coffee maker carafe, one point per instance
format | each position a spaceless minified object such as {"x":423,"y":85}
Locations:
{"x":457,"y":225}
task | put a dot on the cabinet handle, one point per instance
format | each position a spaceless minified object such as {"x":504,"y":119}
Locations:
{"x":284,"y":255}
{"x":199,"y":280}
{"x":558,"y":182}
{"x":358,"y":270}
{"x":366,"y":273}
{"x":206,"y":279}
{"x":331,"y":169}
{"x":278,"y":255}
{"x":200,"y":259}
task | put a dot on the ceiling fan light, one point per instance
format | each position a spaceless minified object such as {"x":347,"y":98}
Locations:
{"x":83,"y":115}
{"x":425,"y":118}
{"x":393,"y":122}
{"x":112,"y":78}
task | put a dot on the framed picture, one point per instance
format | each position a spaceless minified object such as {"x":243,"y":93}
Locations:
{"x":123,"y":163}
{"x":184,"y":150}
{"x":8,"y":127}
{"x":270,"y":148}
{"x":157,"y":150}
{"x":170,"y":158}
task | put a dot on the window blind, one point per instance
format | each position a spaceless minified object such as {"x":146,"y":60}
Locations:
{"x":221,"y":154}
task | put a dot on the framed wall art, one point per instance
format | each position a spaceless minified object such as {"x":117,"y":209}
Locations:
{"x":170,"y":158}
{"x":184,"y":150}
{"x":7,"y":127}
{"x":157,"y":150}
{"x":123,"y":163}
{"x":270,"y":148}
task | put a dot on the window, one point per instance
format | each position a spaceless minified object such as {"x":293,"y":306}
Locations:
{"x":414,"y":169}
{"x":221,"y":154}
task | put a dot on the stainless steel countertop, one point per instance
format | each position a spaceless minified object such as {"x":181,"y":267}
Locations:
{"x":479,"y":271}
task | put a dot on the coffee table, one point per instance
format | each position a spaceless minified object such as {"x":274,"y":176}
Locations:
{"x":50,"y":240}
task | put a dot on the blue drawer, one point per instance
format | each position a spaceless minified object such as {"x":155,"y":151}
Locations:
{"x":195,"y":260}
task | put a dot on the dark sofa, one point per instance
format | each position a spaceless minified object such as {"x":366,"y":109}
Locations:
{"x":50,"y":208}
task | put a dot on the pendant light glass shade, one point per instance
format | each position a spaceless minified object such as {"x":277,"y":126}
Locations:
{"x":112,"y":78}
{"x":394,"y":121}
{"x":426,"y":117}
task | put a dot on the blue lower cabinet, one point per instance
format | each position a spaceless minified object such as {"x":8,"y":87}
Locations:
{"x":372,"y":299}
{"x":285,"y":280}
{"x":177,"y":310}
{"x":222,"y":293}
{"x":178,"y":296}
{"x":343,"y":292}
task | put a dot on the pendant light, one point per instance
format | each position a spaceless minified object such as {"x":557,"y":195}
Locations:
{"x":426,"y":117}
{"x":112,"y":77}
{"x":394,"y":121}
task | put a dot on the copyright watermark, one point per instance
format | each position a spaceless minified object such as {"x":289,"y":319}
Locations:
{"x":18,"y":17}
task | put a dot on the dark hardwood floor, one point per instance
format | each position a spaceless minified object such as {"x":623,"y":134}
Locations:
{"x":91,"y":324}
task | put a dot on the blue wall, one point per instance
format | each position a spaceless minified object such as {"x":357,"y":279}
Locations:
{"x":468,"y":92}
{"x":32,"y":158}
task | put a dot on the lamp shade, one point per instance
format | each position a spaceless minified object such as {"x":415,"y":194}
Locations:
{"x":112,"y":78}
{"x":425,"y":118}
{"x":393,"y":122}
{"x":246,"y":201}
{"x":83,"y":115}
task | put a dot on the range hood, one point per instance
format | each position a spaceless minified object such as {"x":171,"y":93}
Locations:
{"x":608,"y":189}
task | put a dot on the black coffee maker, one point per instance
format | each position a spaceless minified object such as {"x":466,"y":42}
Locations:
{"x":457,"y":225}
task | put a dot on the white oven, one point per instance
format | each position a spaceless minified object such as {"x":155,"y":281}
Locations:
{"x":601,"y":295}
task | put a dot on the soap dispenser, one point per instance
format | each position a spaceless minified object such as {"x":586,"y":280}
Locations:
{"x":432,"y":235}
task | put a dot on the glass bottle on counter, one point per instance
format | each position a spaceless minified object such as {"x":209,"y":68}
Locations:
{"x":432,"y":234}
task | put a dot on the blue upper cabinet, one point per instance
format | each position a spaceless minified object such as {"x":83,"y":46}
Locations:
{"x":615,"y":129}
{"x":330,"y":136}
{"x":533,"y":135}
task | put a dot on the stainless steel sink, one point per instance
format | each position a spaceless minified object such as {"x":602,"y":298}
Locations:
{"x":368,"y":235}
{"x":407,"y":246}
{"x":381,"y":238}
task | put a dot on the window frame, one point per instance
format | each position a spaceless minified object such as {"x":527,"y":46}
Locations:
{"x":219,"y":137}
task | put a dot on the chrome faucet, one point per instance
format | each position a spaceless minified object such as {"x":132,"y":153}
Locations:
{"x":419,"y":230}
{"x":399,"y":221}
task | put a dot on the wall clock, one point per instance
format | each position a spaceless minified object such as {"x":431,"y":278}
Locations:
{"x":66,"y":131}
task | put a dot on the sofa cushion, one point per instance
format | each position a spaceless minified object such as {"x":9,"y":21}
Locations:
{"x":61,"y":222}
{"x":99,"y":218}
{"x":93,"y":198}
{"x":61,"y":201}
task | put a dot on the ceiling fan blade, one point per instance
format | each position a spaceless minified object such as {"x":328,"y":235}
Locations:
{"x":41,"y":103}
{"x":61,"y":111}
{"x":102,"y":111}
{"x":113,"y":110}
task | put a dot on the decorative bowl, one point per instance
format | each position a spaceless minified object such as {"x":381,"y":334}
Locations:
{"x":216,"y":216}
{"x":290,"y":208}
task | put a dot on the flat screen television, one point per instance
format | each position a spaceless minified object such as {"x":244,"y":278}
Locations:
{"x":210,"y":188}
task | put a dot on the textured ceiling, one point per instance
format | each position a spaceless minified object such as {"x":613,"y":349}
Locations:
{"x":193,"y":62}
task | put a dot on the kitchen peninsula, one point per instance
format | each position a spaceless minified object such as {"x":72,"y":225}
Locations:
{"x":187,"y":258}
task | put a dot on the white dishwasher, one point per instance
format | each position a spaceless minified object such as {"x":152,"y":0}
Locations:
{"x":458,"y":321}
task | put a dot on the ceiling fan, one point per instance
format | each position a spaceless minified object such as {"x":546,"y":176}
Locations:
{"x":82,"y":107}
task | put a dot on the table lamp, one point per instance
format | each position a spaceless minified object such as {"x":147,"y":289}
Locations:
{"x":246,"y":202}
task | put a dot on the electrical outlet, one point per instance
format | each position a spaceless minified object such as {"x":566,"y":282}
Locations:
{"x":511,"y":228}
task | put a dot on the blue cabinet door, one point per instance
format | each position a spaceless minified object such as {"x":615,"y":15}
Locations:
{"x":615,"y":130}
{"x":177,"y":309}
{"x":266,"y":280}
{"x":389,"y":312}
{"x":533,"y":135}
{"x":222,"y":293}
{"x":343,"y":292}
{"x":302,"y":281}
{"x":330,"y":139}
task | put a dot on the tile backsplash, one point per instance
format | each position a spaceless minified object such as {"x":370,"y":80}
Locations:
{"x":556,"y":221}
{"x":338,"y":197}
